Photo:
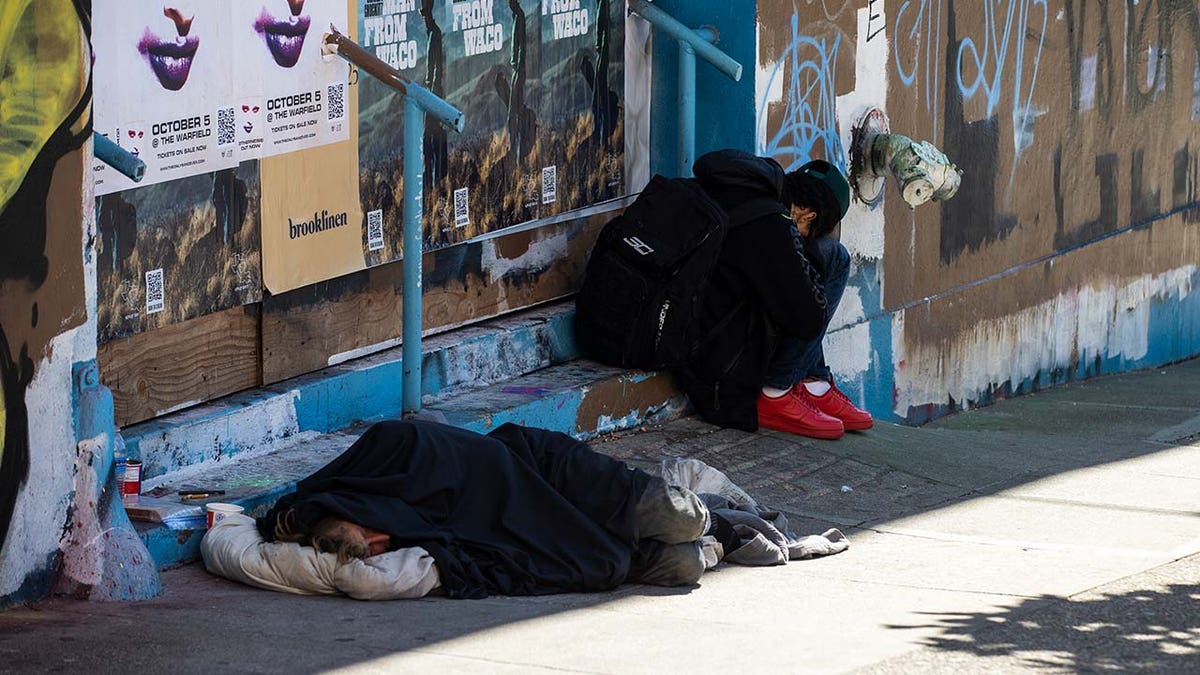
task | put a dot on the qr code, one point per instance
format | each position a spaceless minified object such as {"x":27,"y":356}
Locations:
{"x":226,"y":126}
{"x":155,"y":301}
{"x":462,"y":214}
{"x":375,"y":230}
{"x":549,"y":184}
{"x":335,"y":100}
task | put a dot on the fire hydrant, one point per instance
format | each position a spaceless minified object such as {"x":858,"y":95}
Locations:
{"x":922,"y":172}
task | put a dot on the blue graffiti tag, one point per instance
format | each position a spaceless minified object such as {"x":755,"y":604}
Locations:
{"x":998,"y":53}
{"x":810,"y":102}
{"x":925,"y":37}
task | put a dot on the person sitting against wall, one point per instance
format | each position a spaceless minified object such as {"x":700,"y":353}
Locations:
{"x":777,"y":284}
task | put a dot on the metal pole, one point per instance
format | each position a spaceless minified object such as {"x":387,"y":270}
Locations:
{"x":414,"y":179}
{"x":704,"y":49}
{"x":115,"y":156}
{"x":336,"y":43}
{"x":417,"y":102}
{"x":686,"y":104}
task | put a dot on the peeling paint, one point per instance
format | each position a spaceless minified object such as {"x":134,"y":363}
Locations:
{"x":1092,"y":322}
{"x":862,"y":228}
{"x":848,"y":343}
{"x":215,"y":438}
{"x":44,"y":497}
{"x":540,"y":255}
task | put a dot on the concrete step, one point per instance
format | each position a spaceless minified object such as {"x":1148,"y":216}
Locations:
{"x":367,"y":388}
{"x":579,"y":397}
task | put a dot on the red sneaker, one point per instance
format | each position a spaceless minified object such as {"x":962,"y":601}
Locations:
{"x":795,"y":413}
{"x":836,"y":404}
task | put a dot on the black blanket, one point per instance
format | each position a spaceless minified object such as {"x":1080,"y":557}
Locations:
{"x":518,"y":512}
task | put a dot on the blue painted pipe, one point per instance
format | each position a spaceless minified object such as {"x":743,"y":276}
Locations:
{"x":438,"y":108}
{"x":414,"y":187}
{"x":703,"y":48}
{"x":686,"y":102}
{"x":691,"y":43}
{"x":418,"y":101}
{"x":118,"y":158}
{"x":685,"y":105}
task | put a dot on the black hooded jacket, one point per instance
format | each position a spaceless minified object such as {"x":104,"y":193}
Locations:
{"x":520,"y":511}
{"x":764,"y":286}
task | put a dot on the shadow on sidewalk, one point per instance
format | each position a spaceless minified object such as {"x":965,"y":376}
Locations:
{"x":1153,"y":631}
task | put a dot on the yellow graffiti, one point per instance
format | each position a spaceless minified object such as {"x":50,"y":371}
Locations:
{"x":42,"y":47}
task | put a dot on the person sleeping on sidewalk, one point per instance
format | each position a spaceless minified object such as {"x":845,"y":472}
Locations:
{"x":412,"y":507}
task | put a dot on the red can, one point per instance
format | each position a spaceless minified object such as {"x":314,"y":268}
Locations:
{"x":133,"y":478}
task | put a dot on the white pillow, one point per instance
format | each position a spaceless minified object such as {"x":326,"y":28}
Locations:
{"x":235,"y":550}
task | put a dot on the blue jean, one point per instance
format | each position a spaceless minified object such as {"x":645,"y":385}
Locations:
{"x":795,"y":359}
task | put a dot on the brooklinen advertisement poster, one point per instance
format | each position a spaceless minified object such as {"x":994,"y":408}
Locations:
{"x":312,"y":223}
{"x":164,"y":87}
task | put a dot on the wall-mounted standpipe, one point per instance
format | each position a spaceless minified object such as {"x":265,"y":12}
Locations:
{"x":922,"y":172}
{"x":118,"y":158}
{"x":418,"y":101}
{"x":692,"y":43}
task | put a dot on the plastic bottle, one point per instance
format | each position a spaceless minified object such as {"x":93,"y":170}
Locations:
{"x":119,"y":460}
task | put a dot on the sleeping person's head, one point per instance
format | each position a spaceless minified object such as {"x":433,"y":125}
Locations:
{"x":332,"y":534}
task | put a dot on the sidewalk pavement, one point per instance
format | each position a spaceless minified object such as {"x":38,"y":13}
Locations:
{"x":1058,"y":531}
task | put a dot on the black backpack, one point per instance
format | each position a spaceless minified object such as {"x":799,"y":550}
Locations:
{"x":646,"y":276}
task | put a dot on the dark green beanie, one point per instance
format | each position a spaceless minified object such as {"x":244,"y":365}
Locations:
{"x":821,"y":186}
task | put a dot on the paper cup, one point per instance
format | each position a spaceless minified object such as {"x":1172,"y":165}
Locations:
{"x":217,"y":511}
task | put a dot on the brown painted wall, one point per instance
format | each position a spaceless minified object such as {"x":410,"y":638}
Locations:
{"x":1077,"y":126}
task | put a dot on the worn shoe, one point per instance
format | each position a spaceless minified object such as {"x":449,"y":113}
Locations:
{"x":836,"y":404}
{"x":795,"y":413}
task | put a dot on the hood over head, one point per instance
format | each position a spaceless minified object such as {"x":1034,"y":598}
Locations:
{"x":725,"y":172}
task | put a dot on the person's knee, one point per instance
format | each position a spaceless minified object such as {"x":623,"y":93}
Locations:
{"x":670,"y":514}
{"x":675,"y":565}
{"x":835,"y":258}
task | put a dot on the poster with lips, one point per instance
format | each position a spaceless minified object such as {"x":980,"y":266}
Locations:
{"x":163,"y":87}
{"x":195,"y":86}
{"x":289,"y":96}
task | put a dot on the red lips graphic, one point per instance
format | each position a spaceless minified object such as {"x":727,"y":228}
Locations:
{"x":171,"y":60}
{"x":284,"y":37}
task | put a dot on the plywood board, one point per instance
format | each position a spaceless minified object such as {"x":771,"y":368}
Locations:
{"x":182,"y":364}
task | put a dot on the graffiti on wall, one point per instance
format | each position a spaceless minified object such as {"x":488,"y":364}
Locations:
{"x":1074,"y":122}
{"x":44,"y":116}
{"x":804,"y":122}
{"x":1130,"y":81}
